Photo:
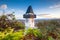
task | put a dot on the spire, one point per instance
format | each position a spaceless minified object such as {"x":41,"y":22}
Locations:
{"x":29,"y":10}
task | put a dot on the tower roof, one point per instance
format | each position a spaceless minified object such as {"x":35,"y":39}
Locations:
{"x":29,"y":10}
{"x":29,"y":13}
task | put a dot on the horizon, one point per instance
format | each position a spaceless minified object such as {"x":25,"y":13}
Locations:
{"x":42,"y":8}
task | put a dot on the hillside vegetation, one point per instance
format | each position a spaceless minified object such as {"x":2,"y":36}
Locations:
{"x":11,"y":29}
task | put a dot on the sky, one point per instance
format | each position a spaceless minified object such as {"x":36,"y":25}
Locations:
{"x":42,"y":8}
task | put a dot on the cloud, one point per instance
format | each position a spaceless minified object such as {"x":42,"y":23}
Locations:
{"x":3,"y":6}
{"x":49,"y":16}
{"x":49,"y":12}
{"x":19,"y":14}
{"x":1,"y":12}
{"x":55,"y":6}
{"x":53,"y":11}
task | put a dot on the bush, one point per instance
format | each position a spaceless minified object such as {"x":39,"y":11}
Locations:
{"x":33,"y":34}
{"x":10,"y":35}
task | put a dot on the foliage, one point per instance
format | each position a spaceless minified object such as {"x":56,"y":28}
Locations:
{"x":32,"y":34}
{"x":15,"y":30}
{"x":50,"y":29}
{"x":8,"y":34}
{"x":6,"y":22}
{"x":50,"y":38}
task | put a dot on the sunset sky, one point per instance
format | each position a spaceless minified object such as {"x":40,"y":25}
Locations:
{"x":42,"y":8}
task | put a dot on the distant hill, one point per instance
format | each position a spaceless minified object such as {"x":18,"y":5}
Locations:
{"x":40,"y":20}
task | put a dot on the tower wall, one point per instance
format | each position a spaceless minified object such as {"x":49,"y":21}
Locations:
{"x":29,"y":23}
